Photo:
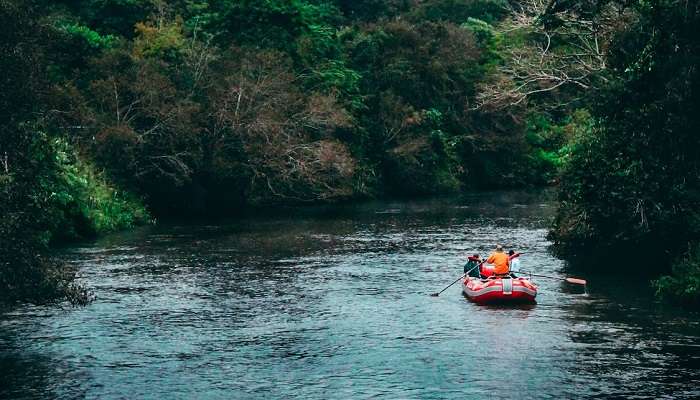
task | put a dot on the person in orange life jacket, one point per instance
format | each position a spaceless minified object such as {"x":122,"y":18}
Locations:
{"x":499,"y":259}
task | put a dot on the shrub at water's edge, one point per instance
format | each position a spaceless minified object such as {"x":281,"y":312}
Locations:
{"x":84,"y":204}
{"x":683,"y":285}
{"x":49,"y":194}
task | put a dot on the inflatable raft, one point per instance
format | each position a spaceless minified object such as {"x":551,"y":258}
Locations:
{"x":499,"y":290}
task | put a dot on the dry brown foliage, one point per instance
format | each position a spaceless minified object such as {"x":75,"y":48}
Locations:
{"x":286,"y":137}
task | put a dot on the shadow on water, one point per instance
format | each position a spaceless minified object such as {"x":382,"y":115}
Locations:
{"x":506,"y":306}
{"x":31,"y":374}
{"x":642,"y":348}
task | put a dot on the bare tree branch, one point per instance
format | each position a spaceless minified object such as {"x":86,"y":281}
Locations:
{"x":539,"y":66}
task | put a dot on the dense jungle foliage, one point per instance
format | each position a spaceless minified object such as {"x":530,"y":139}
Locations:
{"x":115,"y":111}
{"x":632,"y":185}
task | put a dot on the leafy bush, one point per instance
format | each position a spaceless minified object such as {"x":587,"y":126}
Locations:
{"x":48,"y":194}
{"x":84,"y":204}
{"x":273,"y":24}
{"x":421,"y":165}
{"x":459,"y":11}
{"x":683,"y":286}
{"x":115,"y":17}
{"x":550,"y":143}
{"x":633,"y":182}
{"x":93,"y":39}
{"x":26,"y":273}
{"x":165,"y":41}
{"x":372,"y":10}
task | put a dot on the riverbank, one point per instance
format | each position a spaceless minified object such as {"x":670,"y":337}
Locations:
{"x":185,"y":109}
{"x":108,"y":109}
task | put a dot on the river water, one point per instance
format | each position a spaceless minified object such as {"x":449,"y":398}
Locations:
{"x":334,"y":302}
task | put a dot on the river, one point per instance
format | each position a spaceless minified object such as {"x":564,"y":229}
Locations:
{"x":333,"y":302}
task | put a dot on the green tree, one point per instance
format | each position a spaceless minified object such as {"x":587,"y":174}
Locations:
{"x":459,"y":11}
{"x":46,"y":191}
{"x":634,"y":183}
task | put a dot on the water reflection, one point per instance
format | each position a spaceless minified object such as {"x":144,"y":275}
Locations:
{"x":333,"y":303}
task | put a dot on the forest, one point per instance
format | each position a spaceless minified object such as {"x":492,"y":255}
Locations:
{"x":118,"y":113}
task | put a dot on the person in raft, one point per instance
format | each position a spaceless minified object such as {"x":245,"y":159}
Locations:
{"x":500,"y":261}
{"x":471,"y":266}
{"x":513,"y":262}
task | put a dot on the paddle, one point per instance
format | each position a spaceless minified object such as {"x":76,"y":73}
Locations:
{"x":462,"y":276}
{"x":575,"y":281}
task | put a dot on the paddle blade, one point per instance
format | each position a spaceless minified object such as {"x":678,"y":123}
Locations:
{"x":576,"y":281}
{"x":435,"y":294}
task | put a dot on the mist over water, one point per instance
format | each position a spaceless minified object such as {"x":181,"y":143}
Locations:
{"x":333,"y":302}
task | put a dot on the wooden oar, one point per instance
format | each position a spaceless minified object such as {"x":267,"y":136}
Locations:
{"x":575,"y":281}
{"x":462,"y":276}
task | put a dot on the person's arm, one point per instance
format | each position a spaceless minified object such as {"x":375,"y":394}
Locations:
{"x":491,"y":259}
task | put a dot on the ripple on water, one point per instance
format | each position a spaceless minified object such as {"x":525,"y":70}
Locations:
{"x":336,"y":304}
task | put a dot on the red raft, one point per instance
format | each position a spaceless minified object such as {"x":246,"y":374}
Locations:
{"x":499,"y":290}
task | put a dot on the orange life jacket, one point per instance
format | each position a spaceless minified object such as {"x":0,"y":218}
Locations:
{"x":500,"y":263}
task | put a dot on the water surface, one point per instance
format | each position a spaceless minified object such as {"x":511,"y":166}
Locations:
{"x":334,"y":302}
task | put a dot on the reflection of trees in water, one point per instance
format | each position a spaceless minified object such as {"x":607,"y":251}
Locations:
{"x":30,"y":373}
{"x":630,"y":346}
